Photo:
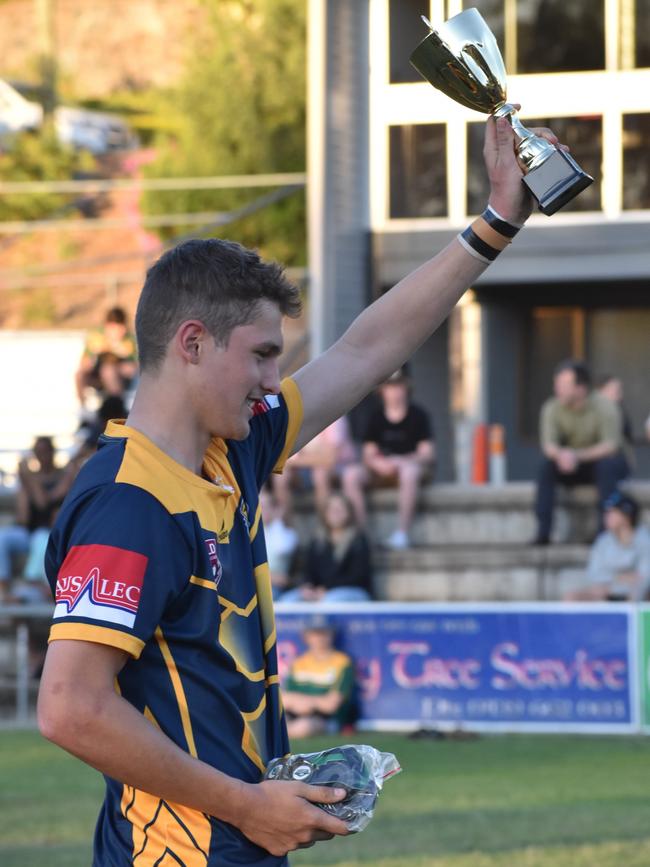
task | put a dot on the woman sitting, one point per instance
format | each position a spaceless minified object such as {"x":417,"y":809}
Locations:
{"x":337,"y":564}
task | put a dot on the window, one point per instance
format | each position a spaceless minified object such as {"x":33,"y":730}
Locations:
{"x":560,"y":35}
{"x":584,"y":137}
{"x":642,"y":31}
{"x":611,"y":341}
{"x":492,"y":12}
{"x":617,"y":343}
{"x":552,"y":334}
{"x":636,"y":166}
{"x":406,"y":30}
{"x":418,"y":171}
{"x":478,"y":186}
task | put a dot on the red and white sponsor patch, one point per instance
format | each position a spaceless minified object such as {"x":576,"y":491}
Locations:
{"x":100,"y":582}
{"x":269,"y":401}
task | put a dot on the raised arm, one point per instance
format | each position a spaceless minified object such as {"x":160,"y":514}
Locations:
{"x":387,"y":333}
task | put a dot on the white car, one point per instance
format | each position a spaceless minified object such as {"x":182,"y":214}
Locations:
{"x":93,"y":130}
{"x":16,"y":112}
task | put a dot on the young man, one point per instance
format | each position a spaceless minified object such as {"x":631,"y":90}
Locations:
{"x":398,"y":447}
{"x":319,"y":691}
{"x":108,"y":363}
{"x":581,"y":436}
{"x":162,"y":670}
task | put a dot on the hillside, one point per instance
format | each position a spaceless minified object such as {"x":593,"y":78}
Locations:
{"x":101,"y":46}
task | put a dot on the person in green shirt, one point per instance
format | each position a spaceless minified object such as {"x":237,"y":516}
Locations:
{"x":581,"y":436}
{"x":318,"y":692}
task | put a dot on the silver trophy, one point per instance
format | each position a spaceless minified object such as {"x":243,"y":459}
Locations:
{"x":462,"y":59}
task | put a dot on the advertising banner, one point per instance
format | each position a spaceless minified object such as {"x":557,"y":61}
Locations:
{"x":540,"y":667}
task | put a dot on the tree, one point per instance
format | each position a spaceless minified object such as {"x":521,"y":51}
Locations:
{"x":39,"y":156}
{"x":242,"y":99}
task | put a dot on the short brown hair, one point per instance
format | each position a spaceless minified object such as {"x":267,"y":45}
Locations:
{"x":217,"y":282}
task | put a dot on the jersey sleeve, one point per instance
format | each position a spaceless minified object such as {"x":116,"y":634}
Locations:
{"x":273,"y":430}
{"x":114,"y":567}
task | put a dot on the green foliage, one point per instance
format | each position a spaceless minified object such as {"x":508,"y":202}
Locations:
{"x":151,"y":113}
{"x":38,"y":156}
{"x":242,"y":103}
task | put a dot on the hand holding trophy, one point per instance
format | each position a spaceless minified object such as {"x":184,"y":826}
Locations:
{"x":462,"y":59}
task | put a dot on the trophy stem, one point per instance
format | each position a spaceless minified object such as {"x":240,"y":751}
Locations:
{"x":531,"y":149}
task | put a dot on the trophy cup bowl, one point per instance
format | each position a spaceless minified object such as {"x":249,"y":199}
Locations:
{"x":462,"y":59}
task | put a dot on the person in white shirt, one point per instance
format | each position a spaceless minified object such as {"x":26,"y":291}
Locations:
{"x":619,"y":561}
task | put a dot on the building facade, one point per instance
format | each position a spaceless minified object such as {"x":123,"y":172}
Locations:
{"x":396,"y":171}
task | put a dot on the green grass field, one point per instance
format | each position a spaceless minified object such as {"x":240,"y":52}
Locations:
{"x":498,"y":801}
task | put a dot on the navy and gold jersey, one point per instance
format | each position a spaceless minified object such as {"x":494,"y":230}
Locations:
{"x":148,"y":557}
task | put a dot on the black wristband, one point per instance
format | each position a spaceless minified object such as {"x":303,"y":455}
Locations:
{"x":508,"y":230}
{"x":485,"y":251}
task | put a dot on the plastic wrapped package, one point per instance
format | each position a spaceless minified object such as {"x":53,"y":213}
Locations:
{"x":357,"y":768}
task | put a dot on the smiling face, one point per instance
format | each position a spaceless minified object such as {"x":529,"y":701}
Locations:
{"x":229,"y":379}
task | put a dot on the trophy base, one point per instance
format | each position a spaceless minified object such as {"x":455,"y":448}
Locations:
{"x":556,"y":181}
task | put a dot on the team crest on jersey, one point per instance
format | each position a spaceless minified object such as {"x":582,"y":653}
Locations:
{"x":215,"y":563}
{"x":100,"y":582}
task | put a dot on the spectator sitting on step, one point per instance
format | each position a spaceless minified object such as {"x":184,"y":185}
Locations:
{"x":581,"y":436}
{"x":93,"y":426}
{"x":42,"y":487}
{"x":318,"y":695}
{"x":281,"y":542}
{"x":337,"y":565}
{"x":398,"y":447}
{"x":321,"y":463}
{"x":108,"y":364}
{"x":611,"y":387}
{"x":619,"y":561}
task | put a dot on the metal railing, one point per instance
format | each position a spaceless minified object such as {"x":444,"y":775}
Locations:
{"x":18,"y":619}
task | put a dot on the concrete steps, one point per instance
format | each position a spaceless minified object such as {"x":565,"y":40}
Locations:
{"x":479,"y":573}
{"x":471,"y":543}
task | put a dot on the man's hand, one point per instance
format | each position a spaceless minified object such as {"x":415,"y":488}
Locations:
{"x":382,"y":465}
{"x":508,"y":196}
{"x":566,"y":461}
{"x":278,"y":816}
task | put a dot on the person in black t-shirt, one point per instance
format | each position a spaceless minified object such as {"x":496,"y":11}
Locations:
{"x":398,"y":447}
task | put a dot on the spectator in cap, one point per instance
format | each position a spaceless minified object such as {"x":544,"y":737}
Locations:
{"x":581,"y":436}
{"x":319,"y":690}
{"x":398,"y":448}
{"x":619,"y":562}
